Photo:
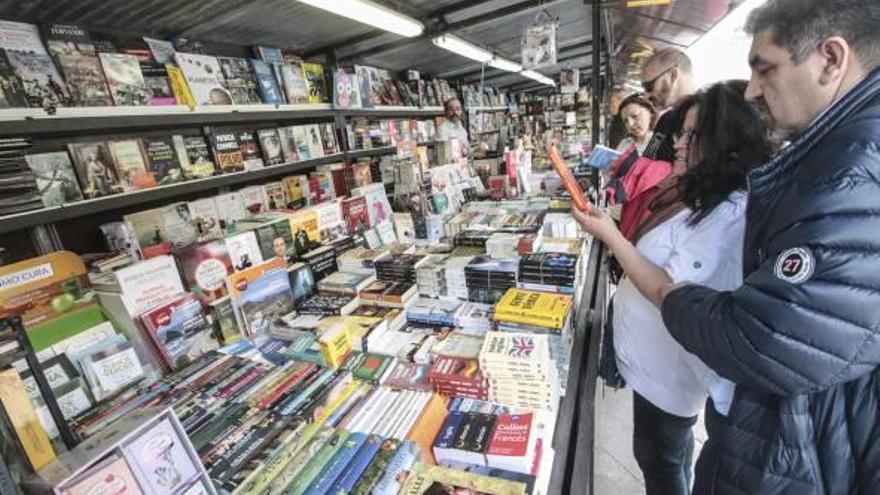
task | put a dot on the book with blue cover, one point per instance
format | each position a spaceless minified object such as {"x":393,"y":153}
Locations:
{"x":358,"y":465}
{"x":390,"y":484}
{"x":334,"y":468}
{"x":267,"y":85}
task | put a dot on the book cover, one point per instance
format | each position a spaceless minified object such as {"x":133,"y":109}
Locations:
{"x":336,"y":344}
{"x":240,"y":80}
{"x":128,"y":156}
{"x":295,"y":88}
{"x":254,"y":200}
{"x":330,"y":220}
{"x":336,"y":465}
{"x":205,"y":268}
{"x":250,"y":150}
{"x":345,"y":283}
{"x":231,"y":208}
{"x":276,"y":239}
{"x":302,"y":282}
{"x":172,"y":224}
{"x":244,"y":250}
{"x":398,"y":469}
{"x":74,"y":53}
{"x":227,"y":151}
{"x":372,"y":367}
{"x":111,"y":369}
{"x":27,"y":56}
{"x":267,"y":84}
{"x":160,"y":455}
{"x":356,"y":214}
{"x":194,"y":156}
{"x":270,"y":144}
{"x":260,"y":295}
{"x":12,"y":95}
{"x":179,"y":330}
{"x":147,"y":283}
{"x":162,"y":160}
{"x":359,"y":464}
{"x":94,"y":167}
{"x":377,"y":202}
{"x":204,"y":78}
{"x":346,"y":90}
{"x":533,"y":308}
{"x":55,"y":177}
{"x":111,"y":475}
{"x":302,"y":138}
{"x":162,"y":50}
{"x":316,"y":463}
{"x":304,"y":225}
{"x":289,"y":150}
{"x":313,"y":138}
{"x":206,"y":219}
{"x":423,"y":479}
{"x":315,"y":82}
{"x":125,"y":79}
{"x":179,"y":87}
{"x":328,"y":137}
{"x":274,"y":192}
{"x":24,"y":420}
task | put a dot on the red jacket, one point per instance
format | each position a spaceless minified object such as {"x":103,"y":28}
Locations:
{"x":633,"y":184}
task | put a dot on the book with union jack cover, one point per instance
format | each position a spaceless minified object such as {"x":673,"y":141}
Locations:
{"x":515,"y":352}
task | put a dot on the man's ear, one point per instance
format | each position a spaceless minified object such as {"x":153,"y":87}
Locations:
{"x":835,"y":53}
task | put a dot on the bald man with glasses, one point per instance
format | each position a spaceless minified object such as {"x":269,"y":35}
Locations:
{"x":667,"y":77}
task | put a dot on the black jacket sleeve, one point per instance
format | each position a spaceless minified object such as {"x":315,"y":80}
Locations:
{"x":788,"y":337}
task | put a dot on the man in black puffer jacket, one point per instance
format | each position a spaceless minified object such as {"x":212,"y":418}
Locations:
{"x":801,"y":337}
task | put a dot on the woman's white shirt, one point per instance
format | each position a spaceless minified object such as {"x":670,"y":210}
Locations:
{"x":651,"y":361}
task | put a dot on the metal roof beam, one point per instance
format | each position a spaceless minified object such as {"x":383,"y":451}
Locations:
{"x":495,"y":15}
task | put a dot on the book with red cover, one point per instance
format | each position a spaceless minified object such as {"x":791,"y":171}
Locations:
{"x":356,"y":214}
{"x":571,"y":184}
{"x":513,"y":443}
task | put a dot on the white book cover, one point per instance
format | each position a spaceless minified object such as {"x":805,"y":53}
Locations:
{"x":316,"y":145}
{"x":204,"y":77}
{"x":254,"y":199}
{"x":231,"y":209}
{"x":244,"y":251}
{"x":386,"y":233}
{"x":160,"y":459}
{"x":405,"y":403}
{"x":405,"y":227}
{"x":206,"y":218}
{"x":146,"y":284}
{"x":377,"y":202}
{"x":330,"y":220}
{"x":385,"y":411}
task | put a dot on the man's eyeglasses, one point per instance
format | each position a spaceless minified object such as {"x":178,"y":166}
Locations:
{"x":648,"y":86}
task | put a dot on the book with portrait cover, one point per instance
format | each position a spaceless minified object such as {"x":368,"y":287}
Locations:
{"x":267,"y":84}
{"x":125,"y":79}
{"x":42,"y":84}
{"x":240,"y":80}
{"x":250,"y":150}
{"x":73,"y":52}
{"x":328,"y":138}
{"x":295,"y":89}
{"x":315,"y":82}
{"x":162,"y":160}
{"x":128,"y":156}
{"x":289,"y":149}
{"x":356,"y":214}
{"x":205,"y":78}
{"x":227,"y":150}
{"x":270,"y":144}
{"x":95,"y":169}
{"x":194,"y":155}
{"x":56,"y":179}
{"x":204,"y":268}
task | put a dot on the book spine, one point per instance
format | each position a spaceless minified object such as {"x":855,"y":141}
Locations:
{"x":337,"y":464}
{"x":358,"y":465}
{"x":377,"y":467}
{"x":179,"y":86}
{"x":316,"y":464}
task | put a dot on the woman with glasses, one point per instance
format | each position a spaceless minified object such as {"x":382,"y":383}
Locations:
{"x":694,"y":232}
{"x":639,"y":117}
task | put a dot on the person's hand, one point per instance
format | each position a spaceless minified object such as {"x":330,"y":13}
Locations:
{"x":596,"y":222}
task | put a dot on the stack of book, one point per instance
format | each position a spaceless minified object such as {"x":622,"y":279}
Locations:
{"x":467,"y":432}
{"x":360,"y":260}
{"x":550,"y":272}
{"x":458,"y":377}
{"x":433,"y":312}
{"x":456,"y":280}
{"x":322,"y":261}
{"x":488,"y":279}
{"x":389,"y":293}
{"x":561,"y":225}
{"x":399,"y":268}
{"x":431,"y":276}
{"x":502,"y":245}
{"x":345,"y":283}
{"x":474,"y":318}
{"x":520,"y":370}
{"x":17,"y":182}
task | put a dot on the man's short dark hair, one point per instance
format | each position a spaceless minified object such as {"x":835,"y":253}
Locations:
{"x":449,"y":102}
{"x":672,"y":57}
{"x":800,"y":25}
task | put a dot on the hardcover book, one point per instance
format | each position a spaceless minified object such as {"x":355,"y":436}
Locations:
{"x":240,"y":80}
{"x":377,"y":202}
{"x":276,"y":239}
{"x":148,"y":283}
{"x":94,"y":167}
{"x":288,"y":144}
{"x":74,"y":53}
{"x":172,"y":223}
{"x":227,"y":151}
{"x":315,"y":82}
{"x":206,"y":219}
{"x":313,"y":138}
{"x":13,"y":95}
{"x":250,"y":150}
{"x":230,"y":206}
{"x":194,"y":156}
{"x":205,"y":268}
{"x":111,"y":369}
{"x":267,"y":84}
{"x":328,"y":137}
{"x":112,"y":474}
{"x":205,"y":78}
{"x":346,"y":90}
{"x":162,"y":160}
{"x":260,"y":295}
{"x":56,"y":179}
{"x":161,"y":458}
{"x":302,"y":138}
{"x":295,"y":88}
{"x":356,"y":214}
{"x":304,"y":225}
{"x":274,"y":192}
{"x":125,"y":79}
{"x":254,"y":200}
{"x":244,"y":251}
{"x":128,"y":156}
{"x":270,"y":144}
{"x":156,"y":78}
{"x":26,"y":55}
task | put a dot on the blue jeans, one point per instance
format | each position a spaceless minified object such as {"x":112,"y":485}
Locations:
{"x":663,"y":445}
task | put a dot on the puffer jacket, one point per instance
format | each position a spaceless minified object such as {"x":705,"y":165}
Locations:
{"x":800,"y":336}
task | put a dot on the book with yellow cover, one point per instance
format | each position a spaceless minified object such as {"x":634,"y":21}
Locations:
{"x":179,"y":86}
{"x":533,"y":308}
{"x":24,"y":420}
{"x":360,"y":327}
{"x":306,"y":221}
{"x":440,"y":479}
{"x":335,"y":344}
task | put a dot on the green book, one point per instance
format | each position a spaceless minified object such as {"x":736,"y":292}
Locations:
{"x":376,"y":468}
{"x":316,"y":464}
{"x":51,"y":332}
{"x":371,"y":367}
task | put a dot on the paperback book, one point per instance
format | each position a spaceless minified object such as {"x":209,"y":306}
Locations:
{"x":204,"y":78}
{"x":95,"y":169}
{"x":194,"y":155}
{"x":25,"y":54}
{"x":125,"y":79}
{"x":55,"y":177}
{"x":73,"y":51}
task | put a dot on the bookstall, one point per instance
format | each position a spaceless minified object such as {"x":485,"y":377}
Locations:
{"x":243,"y":269}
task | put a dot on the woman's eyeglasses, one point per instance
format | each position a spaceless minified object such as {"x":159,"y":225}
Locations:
{"x":648,"y":86}
{"x":685,"y":135}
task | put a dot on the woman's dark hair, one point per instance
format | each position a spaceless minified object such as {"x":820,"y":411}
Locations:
{"x":640,"y":100}
{"x":731,"y":139}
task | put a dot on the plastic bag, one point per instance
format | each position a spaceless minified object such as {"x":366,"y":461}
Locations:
{"x":539,"y":47}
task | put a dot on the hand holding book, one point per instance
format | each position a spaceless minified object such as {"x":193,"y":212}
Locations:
{"x":571,"y":185}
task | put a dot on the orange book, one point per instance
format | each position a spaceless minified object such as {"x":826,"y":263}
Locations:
{"x":571,"y":185}
{"x":428,"y":427}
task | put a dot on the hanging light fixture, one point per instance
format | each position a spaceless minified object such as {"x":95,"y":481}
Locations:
{"x":541,"y":78}
{"x":504,"y":64}
{"x":371,"y":13}
{"x":461,"y":47}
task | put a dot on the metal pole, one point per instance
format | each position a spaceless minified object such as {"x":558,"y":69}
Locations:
{"x":597,"y":69}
